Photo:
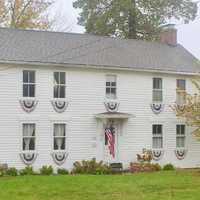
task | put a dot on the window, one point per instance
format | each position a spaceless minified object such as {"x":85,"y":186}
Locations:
{"x":59,"y":85}
{"x":157,"y":90}
{"x":111,"y":87}
{"x":180,"y":136}
{"x":180,"y":91}
{"x":157,"y":136}
{"x":28,"y":83}
{"x":59,"y":136}
{"x":28,"y":137}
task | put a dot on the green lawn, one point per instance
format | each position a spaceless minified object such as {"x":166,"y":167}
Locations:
{"x":152,"y":186}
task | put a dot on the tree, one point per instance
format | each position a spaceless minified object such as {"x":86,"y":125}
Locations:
{"x":132,"y":18}
{"x":190,"y":111}
{"x":25,"y":14}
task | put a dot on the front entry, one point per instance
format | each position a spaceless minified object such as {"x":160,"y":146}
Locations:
{"x":110,"y":142}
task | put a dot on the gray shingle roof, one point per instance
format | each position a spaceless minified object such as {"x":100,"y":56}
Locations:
{"x":85,"y":49}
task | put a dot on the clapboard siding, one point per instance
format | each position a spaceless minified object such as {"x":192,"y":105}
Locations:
{"x":86,"y":94}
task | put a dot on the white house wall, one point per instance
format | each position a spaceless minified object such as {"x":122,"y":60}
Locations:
{"x":86,"y":93}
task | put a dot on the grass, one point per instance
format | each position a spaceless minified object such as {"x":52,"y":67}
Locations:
{"x":182,"y":185}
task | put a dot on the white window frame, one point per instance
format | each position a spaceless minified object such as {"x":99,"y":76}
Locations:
{"x":59,"y":84}
{"x":110,"y":96}
{"x":179,"y":92}
{"x":22,"y":136}
{"x":157,"y":136}
{"x":66,"y":136}
{"x":29,"y":83}
{"x":181,"y":136}
{"x":157,"y":90}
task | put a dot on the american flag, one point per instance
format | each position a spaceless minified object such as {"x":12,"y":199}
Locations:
{"x":111,"y":140}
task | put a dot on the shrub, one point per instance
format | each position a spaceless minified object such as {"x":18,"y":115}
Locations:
{"x":144,"y":167}
{"x":62,"y":171}
{"x":2,"y":172}
{"x":168,"y":167}
{"x":46,"y":170}
{"x":3,"y":169}
{"x":27,"y":171}
{"x":12,"y":172}
{"x":91,"y":167}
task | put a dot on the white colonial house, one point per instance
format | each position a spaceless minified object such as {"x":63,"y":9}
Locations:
{"x":67,"y":97}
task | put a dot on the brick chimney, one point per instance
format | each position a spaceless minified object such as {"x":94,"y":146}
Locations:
{"x":169,"y":35}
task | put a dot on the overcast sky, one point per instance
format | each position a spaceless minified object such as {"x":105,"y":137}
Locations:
{"x":188,"y":35}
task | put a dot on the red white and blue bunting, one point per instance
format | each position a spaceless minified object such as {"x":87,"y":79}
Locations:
{"x":157,"y":108}
{"x":28,"y":105}
{"x":59,"y":105}
{"x":28,"y":158}
{"x":157,"y":154}
{"x":59,"y":157}
{"x":180,"y":153}
{"x":111,"y":106}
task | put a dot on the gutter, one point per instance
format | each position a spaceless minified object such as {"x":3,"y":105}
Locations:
{"x":85,"y":66}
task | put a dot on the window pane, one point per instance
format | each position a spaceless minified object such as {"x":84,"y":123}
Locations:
{"x":31,"y":76}
{"x":180,"y":129}
{"x":25,"y":76}
{"x":157,"y":143}
{"x":59,"y":144}
{"x":56,"y":91}
{"x":62,"y":91}
{"x":157,"y":95}
{"x":28,"y":144}
{"x":113,"y":91}
{"x":25,"y":90}
{"x":181,"y":84}
{"x":157,"y":129}
{"x":62,"y":78}
{"x":108,"y":90}
{"x":56,"y":77}
{"x":31,"y":90}
{"x":107,"y":83}
{"x":157,"y":83}
{"x":113,"y":84}
{"x":28,"y":130}
{"x":180,"y":142}
{"x":59,"y":129}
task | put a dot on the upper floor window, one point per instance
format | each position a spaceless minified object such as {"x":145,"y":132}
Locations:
{"x":28,"y":83}
{"x":180,"y":91}
{"x":28,"y":137}
{"x":157,"y":90}
{"x":157,"y":136}
{"x":180,"y":136}
{"x":111,"y":86}
{"x":59,"y":84}
{"x":59,"y":136}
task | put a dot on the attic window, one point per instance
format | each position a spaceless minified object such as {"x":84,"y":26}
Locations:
{"x":111,"y":87}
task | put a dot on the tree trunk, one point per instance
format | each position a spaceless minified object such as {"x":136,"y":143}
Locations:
{"x":132,"y":21}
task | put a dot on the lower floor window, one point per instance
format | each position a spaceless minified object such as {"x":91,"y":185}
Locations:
{"x":59,"y":136}
{"x":28,"y":137}
{"x":157,"y":136}
{"x":180,"y":136}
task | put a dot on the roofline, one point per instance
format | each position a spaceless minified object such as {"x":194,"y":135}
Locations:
{"x":85,"y":66}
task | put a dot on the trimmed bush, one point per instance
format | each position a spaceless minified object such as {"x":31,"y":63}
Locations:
{"x":144,"y":167}
{"x":27,"y":171}
{"x":46,"y":170}
{"x":62,"y":172}
{"x":12,"y":172}
{"x":168,"y":167}
{"x":91,"y":167}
